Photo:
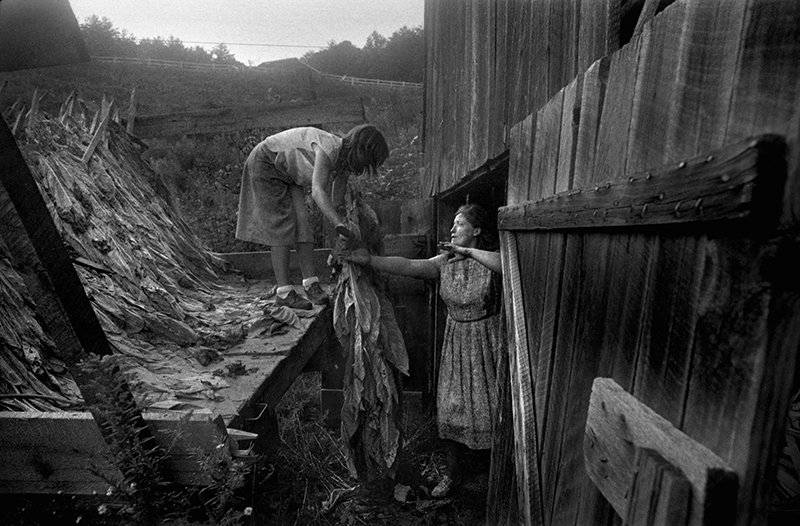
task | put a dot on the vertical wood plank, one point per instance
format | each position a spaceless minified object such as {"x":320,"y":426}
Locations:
{"x":563,"y":22}
{"x":498,"y":123}
{"x":519,"y":174}
{"x":612,"y":146}
{"x":652,"y":100}
{"x":569,"y":315}
{"x":570,"y":119}
{"x":480,"y":73}
{"x":592,"y":97}
{"x":537,"y":92}
{"x":745,"y":352}
{"x":766,"y":95}
{"x":593,"y":32}
{"x":544,"y":164}
{"x":575,"y":493}
{"x":527,"y":447}
{"x":704,"y":76}
{"x":668,"y":327}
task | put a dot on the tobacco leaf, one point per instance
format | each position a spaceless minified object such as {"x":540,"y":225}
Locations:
{"x":375,"y":353}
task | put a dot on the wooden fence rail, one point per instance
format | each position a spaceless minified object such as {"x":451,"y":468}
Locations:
{"x":192,"y":66}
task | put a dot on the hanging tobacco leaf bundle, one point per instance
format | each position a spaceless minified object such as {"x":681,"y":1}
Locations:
{"x":375,"y":353}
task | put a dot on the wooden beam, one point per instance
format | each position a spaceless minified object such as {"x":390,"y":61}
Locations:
{"x":286,"y":115}
{"x":65,"y":452}
{"x":618,"y":423}
{"x":744,"y":180}
{"x":42,"y":258}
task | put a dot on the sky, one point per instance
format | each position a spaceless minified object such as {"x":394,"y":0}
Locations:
{"x":309,"y":24}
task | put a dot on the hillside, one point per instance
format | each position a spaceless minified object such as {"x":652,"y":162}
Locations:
{"x":203,"y":172}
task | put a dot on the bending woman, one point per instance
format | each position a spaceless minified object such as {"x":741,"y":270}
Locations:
{"x":467,"y":400}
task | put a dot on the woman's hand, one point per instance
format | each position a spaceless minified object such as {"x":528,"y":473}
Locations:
{"x":455,"y":252}
{"x":359,"y":256}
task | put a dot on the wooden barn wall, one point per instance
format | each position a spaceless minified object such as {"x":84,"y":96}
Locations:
{"x":690,"y":320}
{"x":490,"y":63}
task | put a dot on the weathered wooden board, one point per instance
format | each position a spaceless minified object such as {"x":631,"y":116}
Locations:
{"x":272,"y":364}
{"x":562,"y":41}
{"x":600,"y":30}
{"x":522,"y":141}
{"x":544,"y":165}
{"x":286,"y":115}
{"x":659,"y":495}
{"x":48,"y":452}
{"x":568,"y":142}
{"x":589,"y":361}
{"x":743,"y":180}
{"x":703,"y":76}
{"x":480,"y":77}
{"x":611,"y":149}
{"x":525,"y":417}
{"x":654,"y":89}
{"x":618,"y":423}
{"x":744,"y":355}
{"x":591,"y":107}
{"x":565,"y":355}
{"x":765,"y":89}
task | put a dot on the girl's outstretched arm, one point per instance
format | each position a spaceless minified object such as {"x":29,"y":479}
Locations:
{"x":414,"y":268}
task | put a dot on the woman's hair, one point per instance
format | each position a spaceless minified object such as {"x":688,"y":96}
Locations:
{"x":479,"y":218}
{"x":364,"y":148}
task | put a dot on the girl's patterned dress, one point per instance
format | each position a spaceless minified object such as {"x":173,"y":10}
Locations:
{"x":472,"y":354}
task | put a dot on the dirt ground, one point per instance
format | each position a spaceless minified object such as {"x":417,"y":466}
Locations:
{"x":327,"y":495}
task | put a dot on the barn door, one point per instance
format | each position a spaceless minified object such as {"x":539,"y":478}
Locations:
{"x":674,"y":284}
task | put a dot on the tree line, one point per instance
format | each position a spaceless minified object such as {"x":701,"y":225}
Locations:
{"x":398,"y":57}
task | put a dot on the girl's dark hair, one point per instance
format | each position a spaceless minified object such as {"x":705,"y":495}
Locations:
{"x":364,"y":148}
{"x":478,"y":217}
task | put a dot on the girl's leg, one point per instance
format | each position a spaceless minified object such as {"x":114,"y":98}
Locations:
{"x":456,"y":454}
{"x":280,"y":264}
{"x":305,"y":252}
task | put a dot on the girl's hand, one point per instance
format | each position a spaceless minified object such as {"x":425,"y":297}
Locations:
{"x":359,"y":256}
{"x":348,"y":231}
{"x":343,"y":231}
{"x":455,"y":252}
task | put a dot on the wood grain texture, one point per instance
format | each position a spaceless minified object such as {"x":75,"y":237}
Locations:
{"x":660,"y":495}
{"x":659,"y":55}
{"x":591,"y":107}
{"x":544,"y":164}
{"x":568,"y":142}
{"x":566,"y":354}
{"x":589,"y":361}
{"x":618,"y":423}
{"x":743,"y":180}
{"x":65,"y":451}
{"x":766,"y":95}
{"x":703,"y":76}
{"x":611,"y":149}
{"x":744,"y":355}
{"x":527,"y":456}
